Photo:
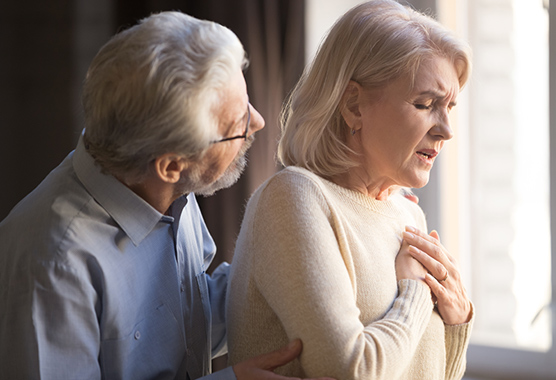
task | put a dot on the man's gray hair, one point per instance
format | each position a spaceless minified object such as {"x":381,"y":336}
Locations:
{"x":154,"y":89}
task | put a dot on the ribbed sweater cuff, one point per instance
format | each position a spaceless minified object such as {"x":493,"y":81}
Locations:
{"x":413,"y":306}
{"x":457,"y":339}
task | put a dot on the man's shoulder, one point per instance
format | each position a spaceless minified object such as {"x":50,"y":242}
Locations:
{"x":43,"y":218}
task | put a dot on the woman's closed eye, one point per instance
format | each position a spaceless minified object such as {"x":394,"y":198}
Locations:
{"x":421,"y":106}
{"x":429,"y":106}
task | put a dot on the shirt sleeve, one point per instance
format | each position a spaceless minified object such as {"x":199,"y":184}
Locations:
{"x":300,"y":271}
{"x":52,"y":326}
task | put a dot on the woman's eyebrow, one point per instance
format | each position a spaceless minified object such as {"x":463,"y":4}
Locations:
{"x":438,"y":94}
{"x":432,"y":93}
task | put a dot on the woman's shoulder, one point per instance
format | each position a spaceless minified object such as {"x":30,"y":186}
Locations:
{"x":291,"y":187}
{"x":299,"y":175}
{"x":292,"y":180}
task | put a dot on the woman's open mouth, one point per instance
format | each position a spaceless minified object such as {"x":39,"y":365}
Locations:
{"x":427,"y":155}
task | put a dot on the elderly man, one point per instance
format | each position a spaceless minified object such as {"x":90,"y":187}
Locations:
{"x":102,"y":266}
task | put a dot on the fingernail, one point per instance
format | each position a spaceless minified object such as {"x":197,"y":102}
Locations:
{"x":408,"y":235}
{"x":410,"y":228}
{"x":413,"y":249}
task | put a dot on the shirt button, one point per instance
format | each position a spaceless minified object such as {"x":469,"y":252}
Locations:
{"x":182,"y":287}
{"x":137,"y":335}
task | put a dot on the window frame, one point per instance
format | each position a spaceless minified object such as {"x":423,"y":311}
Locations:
{"x":489,"y":361}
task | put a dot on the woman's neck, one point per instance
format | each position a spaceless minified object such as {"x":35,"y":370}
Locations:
{"x":358,"y":180}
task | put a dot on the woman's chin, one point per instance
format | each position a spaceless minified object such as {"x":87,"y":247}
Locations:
{"x":419,"y":182}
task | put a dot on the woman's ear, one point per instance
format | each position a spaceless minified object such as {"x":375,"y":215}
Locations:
{"x":169,"y":167}
{"x":350,"y":104}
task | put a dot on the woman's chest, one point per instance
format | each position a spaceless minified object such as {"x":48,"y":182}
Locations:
{"x":369,"y":245}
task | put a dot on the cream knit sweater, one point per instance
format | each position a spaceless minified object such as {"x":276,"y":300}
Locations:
{"x":316,"y":261}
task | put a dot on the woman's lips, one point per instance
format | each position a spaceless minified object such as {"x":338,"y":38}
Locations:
{"x":427,"y":155}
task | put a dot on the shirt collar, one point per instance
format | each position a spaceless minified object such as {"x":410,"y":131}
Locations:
{"x":133,"y":214}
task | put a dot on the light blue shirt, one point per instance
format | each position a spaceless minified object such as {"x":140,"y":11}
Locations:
{"x":97,"y":284}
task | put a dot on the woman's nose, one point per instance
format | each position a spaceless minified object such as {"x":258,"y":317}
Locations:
{"x":442,"y":129}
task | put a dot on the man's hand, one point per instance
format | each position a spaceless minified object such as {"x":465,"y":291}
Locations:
{"x":262,"y":366}
{"x":408,"y":193}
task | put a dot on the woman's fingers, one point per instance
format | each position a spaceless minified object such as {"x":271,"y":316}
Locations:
{"x":443,"y":277}
{"x":452,"y":302}
{"x":436,"y":268}
{"x":407,"y":267}
{"x":428,"y":250}
{"x":428,"y":243}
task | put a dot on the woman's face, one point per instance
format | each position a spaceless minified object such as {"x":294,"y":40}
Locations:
{"x":403,"y":129}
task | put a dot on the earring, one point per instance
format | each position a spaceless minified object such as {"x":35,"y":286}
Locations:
{"x":353,"y":132}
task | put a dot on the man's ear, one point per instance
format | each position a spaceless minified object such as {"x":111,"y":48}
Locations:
{"x":350,"y":103}
{"x":169,"y":167}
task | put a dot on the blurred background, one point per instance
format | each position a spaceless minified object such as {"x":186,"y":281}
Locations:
{"x":489,"y":194}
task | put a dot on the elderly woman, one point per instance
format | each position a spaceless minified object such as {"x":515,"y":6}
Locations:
{"x":330,"y":251}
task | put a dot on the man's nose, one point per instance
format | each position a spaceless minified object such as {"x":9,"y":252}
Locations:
{"x":257,"y":121}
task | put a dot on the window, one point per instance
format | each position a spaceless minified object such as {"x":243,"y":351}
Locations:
{"x":493,"y":186}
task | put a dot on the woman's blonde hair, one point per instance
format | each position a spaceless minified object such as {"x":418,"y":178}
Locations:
{"x":372,"y":44}
{"x":154,"y":89}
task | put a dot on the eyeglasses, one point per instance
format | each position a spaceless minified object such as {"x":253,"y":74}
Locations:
{"x":243,"y":136}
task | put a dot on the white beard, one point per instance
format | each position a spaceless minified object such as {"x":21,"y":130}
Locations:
{"x":228,"y":178}
{"x":198,"y":183}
